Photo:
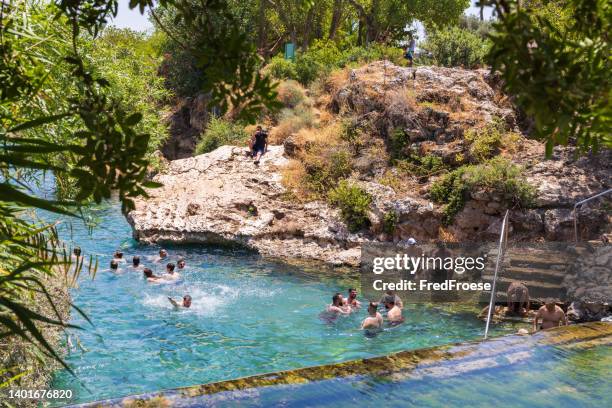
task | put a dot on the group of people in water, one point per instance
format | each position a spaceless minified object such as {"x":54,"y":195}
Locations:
{"x":374,"y":320}
{"x":171,"y":274}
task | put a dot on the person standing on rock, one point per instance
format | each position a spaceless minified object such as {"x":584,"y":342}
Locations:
{"x":258,"y":144}
{"x":551,"y":316}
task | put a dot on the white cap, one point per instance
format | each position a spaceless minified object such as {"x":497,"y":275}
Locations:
{"x":411,"y":241}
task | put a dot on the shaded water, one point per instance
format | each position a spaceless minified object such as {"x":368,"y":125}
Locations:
{"x":249,"y":316}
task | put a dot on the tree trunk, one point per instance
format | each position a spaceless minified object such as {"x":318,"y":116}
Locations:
{"x":307,"y":29}
{"x":336,"y":19}
{"x":262,"y":32}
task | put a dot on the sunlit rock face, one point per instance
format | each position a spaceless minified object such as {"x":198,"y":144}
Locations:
{"x":223,"y":197}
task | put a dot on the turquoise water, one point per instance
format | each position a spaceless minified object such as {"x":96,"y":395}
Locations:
{"x":546,"y":377}
{"x":249,"y":316}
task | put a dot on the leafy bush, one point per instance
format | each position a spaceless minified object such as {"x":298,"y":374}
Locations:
{"x":221,"y":132}
{"x":453,"y":47}
{"x":390,"y":221}
{"x":281,"y":68}
{"x":398,"y":142}
{"x":291,"y":94}
{"x":353,"y":202}
{"x":324,"y":171}
{"x":497,"y":175}
{"x":291,"y":121}
{"x":318,"y":60}
{"x":422,"y":165}
{"x":486,"y":142}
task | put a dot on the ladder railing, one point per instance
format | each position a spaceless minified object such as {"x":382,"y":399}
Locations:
{"x":579,"y":203}
{"x":503,"y":239}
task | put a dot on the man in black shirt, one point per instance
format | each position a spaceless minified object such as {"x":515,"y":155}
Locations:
{"x":259,"y":144}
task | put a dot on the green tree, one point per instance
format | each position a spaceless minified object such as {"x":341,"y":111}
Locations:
{"x":555,"y":61}
{"x":454,"y":46}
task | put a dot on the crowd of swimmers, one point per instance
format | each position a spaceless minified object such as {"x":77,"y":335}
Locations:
{"x":118,"y":263}
{"x":374,"y":320}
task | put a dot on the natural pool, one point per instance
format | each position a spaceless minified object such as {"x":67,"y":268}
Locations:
{"x":249,"y":316}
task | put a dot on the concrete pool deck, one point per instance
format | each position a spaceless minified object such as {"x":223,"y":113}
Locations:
{"x":442,"y":361}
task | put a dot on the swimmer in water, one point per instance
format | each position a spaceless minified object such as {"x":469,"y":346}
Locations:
{"x":148,"y":273}
{"x":118,"y":256}
{"x":136,"y":262}
{"x":181,"y":263}
{"x":170,"y":274}
{"x":337,"y":307}
{"x":163,"y":254}
{"x":374,"y":319}
{"x":394,"y":312}
{"x":114,"y":266}
{"x":76,"y":253}
{"x":186,"y":302}
{"x":352,"y":299}
{"x":551,"y":315}
{"x":398,"y":301}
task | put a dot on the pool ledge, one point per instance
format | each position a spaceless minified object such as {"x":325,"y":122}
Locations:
{"x":437,"y":361}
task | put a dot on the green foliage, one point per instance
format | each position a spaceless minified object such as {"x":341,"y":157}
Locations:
{"x":484,"y":143}
{"x":454,"y":47}
{"x":291,"y":94}
{"x":398,"y":144}
{"x":281,"y":68}
{"x":324,"y":171}
{"x":128,"y":61}
{"x":498,"y":176}
{"x":390,"y":220}
{"x":353,"y":202}
{"x":558,"y":68}
{"x":221,"y":132}
{"x":422,"y":166}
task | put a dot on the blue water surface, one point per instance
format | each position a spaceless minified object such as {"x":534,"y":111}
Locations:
{"x":249,"y":316}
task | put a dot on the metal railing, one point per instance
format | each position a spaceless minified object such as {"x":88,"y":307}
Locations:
{"x":579,"y":203}
{"x":503,"y":239}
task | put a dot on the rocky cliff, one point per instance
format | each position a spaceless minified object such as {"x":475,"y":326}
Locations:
{"x":222,"y":197}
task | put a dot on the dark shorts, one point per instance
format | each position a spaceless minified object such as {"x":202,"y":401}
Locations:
{"x":258,"y":149}
{"x":409,"y":55}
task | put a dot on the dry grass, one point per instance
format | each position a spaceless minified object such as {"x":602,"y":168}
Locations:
{"x":447,"y":235}
{"x":293,"y":176}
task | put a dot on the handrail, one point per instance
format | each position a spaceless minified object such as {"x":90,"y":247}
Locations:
{"x":503,"y":238}
{"x":579,"y":203}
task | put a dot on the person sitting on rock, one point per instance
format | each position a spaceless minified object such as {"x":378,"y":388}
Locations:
{"x":374,"y":319}
{"x":518,"y":299}
{"x":258,"y":144}
{"x":394,"y":312}
{"x":148,"y":273}
{"x":551,"y":315}
{"x":170,"y":274}
{"x":186,"y":302}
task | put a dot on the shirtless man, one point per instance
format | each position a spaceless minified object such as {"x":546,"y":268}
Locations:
{"x":352,"y":299}
{"x":170,"y":274}
{"x":551,"y":316}
{"x":394,"y":314}
{"x":136,"y":262}
{"x":114,"y":266}
{"x":148,"y":273}
{"x":163,"y":254}
{"x":337,"y":306}
{"x":118,"y":256}
{"x":397,"y":300}
{"x":181,"y":263}
{"x":186,"y":302}
{"x":374,"y":319}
